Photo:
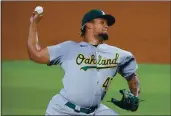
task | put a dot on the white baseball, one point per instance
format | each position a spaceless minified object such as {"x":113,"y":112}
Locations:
{"x":39,"y":10}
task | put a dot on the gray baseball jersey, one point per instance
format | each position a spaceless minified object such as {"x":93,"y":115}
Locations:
{"x":88,"y":70}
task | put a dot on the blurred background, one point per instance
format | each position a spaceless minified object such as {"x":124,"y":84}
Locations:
{"x":142,"y":28}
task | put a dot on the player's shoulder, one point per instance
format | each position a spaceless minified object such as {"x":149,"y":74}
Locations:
{"x":115,"y":49}
{"x":67,"y":43}
{"x":72,"y":44}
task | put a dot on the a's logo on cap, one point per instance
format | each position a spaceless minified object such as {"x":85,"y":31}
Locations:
{"x":103,"y":13}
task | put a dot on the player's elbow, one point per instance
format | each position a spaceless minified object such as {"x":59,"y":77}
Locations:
{"x":29,"y":54}
{"x":39,"y":58}
{"x":33,"y":54}
{"x":36,"y":57}
{"x":32,"y":57}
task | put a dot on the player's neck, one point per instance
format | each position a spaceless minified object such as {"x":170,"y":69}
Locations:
{"x":92,"y":40}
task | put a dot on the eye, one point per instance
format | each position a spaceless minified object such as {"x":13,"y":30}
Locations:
{"x":102,"y":22}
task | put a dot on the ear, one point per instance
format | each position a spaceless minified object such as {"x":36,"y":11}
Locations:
{"x":89,"y":25}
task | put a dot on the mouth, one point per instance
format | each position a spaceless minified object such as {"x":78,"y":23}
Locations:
{"x":104,"y":31}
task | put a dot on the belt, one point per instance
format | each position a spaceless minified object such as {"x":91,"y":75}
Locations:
{"x":81,"y":109}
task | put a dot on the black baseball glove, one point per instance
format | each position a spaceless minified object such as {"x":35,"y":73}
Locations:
{"x":128,"y":102}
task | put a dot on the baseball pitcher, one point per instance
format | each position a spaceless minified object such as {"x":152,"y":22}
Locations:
{"x":89,"y":66}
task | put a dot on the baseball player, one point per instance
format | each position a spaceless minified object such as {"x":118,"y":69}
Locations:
{"x":89,"y":67}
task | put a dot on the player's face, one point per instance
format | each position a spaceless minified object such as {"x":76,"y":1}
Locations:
{"x":100,"y":28}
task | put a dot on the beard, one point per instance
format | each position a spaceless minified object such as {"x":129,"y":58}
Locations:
{"x":103,"y":36}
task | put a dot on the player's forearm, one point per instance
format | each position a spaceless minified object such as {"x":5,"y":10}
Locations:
{"x":32,"y":45}
{"x":134,"y":84}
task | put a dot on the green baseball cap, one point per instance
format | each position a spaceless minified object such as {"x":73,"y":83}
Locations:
{"x":95,"y":13}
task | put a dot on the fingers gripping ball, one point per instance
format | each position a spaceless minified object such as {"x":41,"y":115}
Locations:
{"x":39,"y":10}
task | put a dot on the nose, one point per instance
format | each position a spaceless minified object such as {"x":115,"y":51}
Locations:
{"x":106,"y":26}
